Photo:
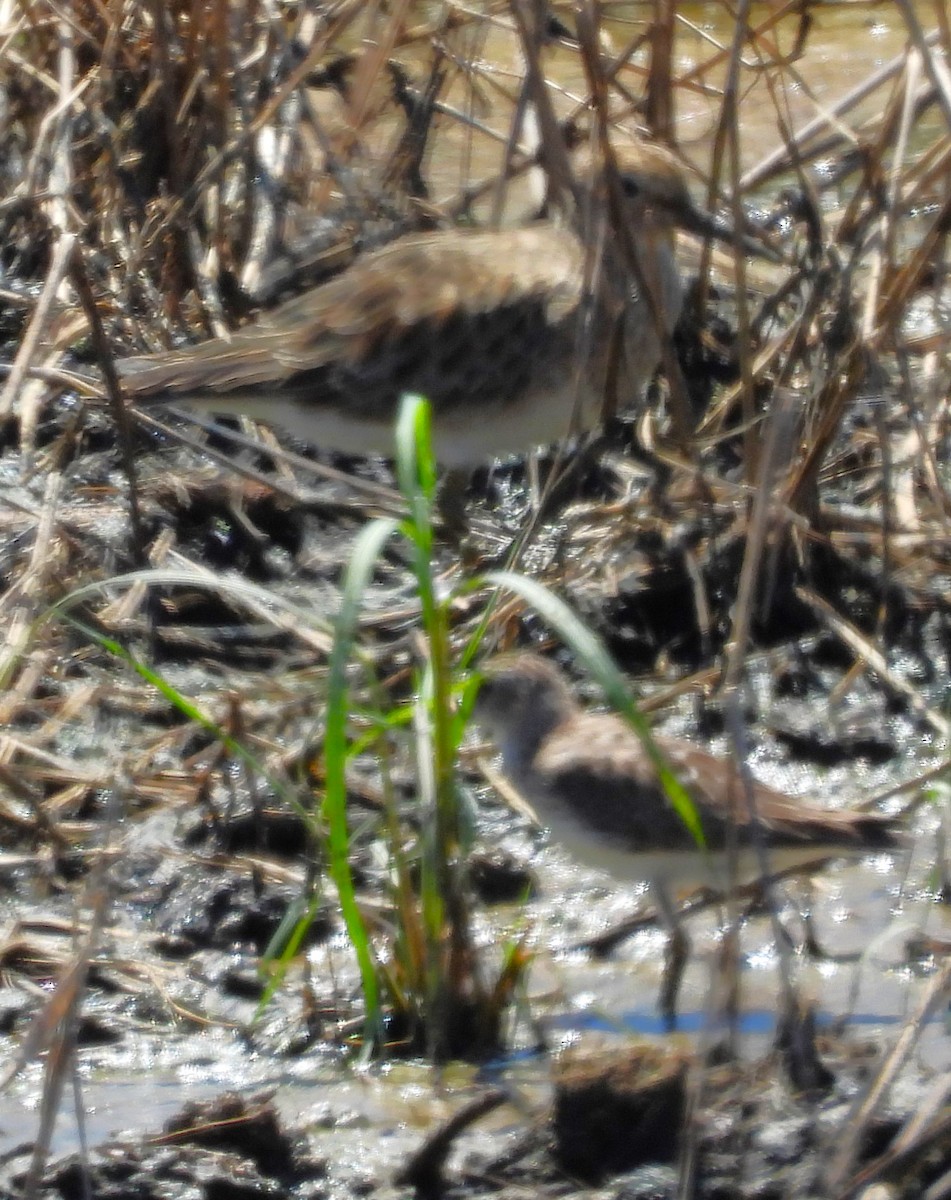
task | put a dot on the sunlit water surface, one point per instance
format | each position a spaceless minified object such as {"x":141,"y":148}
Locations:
{"x":867,"y":906}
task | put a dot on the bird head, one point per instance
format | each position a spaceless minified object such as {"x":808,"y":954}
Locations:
{"x":654,"y":188}
{"x":522,"y":698}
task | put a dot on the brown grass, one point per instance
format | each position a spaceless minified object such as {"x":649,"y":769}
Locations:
{"x":167,"y":169}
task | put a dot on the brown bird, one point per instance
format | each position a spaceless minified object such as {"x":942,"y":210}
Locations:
{"x":504,"y":332}
{"x":591,"y":782}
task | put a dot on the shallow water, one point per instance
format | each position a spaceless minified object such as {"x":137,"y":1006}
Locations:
{"x":574,"y":1000}
{"x":856,"y":910}
{"x":847,"y":43}
{"x":868,"y":905}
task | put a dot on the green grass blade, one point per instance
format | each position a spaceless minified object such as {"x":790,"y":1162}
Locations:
{"x":186,"y":707}
{"x":415,"y":465}
{"x":284,"y":945}
{"x":367,"y":549}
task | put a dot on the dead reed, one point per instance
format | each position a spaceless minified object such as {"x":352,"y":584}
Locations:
{"x":168,"y":169}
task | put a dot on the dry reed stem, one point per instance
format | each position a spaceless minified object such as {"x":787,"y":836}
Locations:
{"x":840,"y":1178}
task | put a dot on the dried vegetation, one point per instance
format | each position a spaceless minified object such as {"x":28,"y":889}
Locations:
{"x":168,"y":169}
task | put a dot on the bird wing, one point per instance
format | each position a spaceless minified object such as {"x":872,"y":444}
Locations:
{"x":601,"y":757}
{"x":592,"y":771}
{"x":420,"y":281}
{"x":715,"y":782}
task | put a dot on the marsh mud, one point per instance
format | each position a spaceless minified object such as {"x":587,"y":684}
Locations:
{"x":181,"y":1009}
{"x":616,"y":1124}
{"x":227,"y":1086}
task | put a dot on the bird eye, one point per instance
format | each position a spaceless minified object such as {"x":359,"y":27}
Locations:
{"x":630,"y":187}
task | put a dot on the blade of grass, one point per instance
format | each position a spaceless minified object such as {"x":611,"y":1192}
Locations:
{"x":186,"y":707}
{"x":444,"y":913}
{"x":284,"y":944}
{"x":369,"y":544}
{"x":457,"y":1006}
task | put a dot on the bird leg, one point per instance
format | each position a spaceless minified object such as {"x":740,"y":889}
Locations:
{"x":451,"y":504}
{"x":675,"y":958}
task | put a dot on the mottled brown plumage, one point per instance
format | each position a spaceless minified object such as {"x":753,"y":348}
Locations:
{"x":500,"y":330}
{"x":592,"y":783}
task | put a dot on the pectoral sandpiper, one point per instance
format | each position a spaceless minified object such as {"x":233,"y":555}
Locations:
{"x":510,"y":334}
{"x":593,"y":784}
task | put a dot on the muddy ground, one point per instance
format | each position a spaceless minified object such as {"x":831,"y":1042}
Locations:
{"x":167,"y":620}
